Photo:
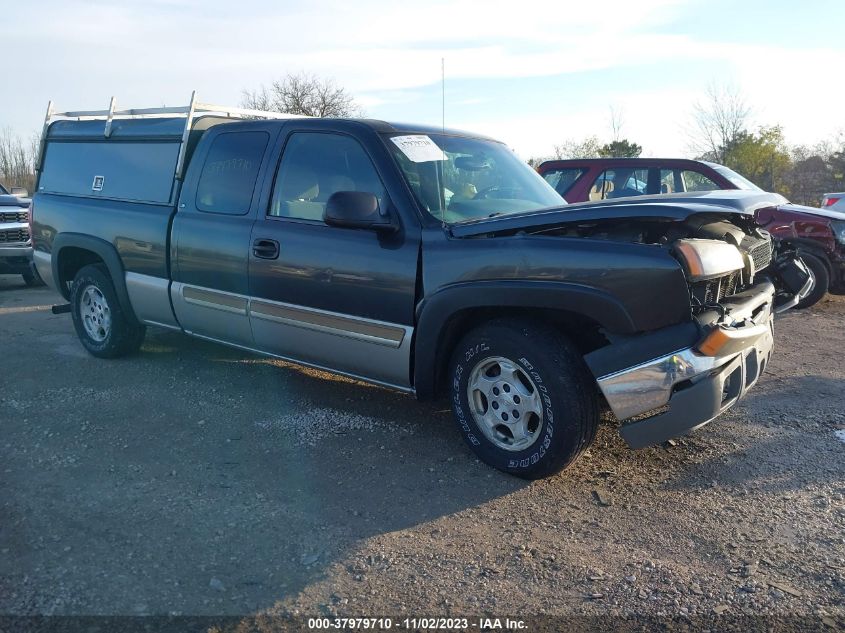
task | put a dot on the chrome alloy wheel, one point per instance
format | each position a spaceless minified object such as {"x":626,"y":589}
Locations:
{"x":95,"y":313}
{"x":505,"y":403}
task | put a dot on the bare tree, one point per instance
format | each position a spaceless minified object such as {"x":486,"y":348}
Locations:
{"x":303,"y":94}
{"x":586,"y":148}
{"x":17,"y":160}
{"x":718,"y":121}
{"x":617,"y":122}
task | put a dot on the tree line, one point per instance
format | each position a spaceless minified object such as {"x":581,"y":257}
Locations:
{"x":720,"y":131}
{"x":17,"y":160}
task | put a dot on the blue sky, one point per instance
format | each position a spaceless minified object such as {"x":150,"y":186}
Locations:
{"x":533,"y":74}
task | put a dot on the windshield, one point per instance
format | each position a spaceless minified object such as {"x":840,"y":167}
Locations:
{"x":458,"y":178}
{"x":740,"y":182}
{"x":3,"y":189}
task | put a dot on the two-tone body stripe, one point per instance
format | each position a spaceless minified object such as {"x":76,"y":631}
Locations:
{"x":368,"y":330}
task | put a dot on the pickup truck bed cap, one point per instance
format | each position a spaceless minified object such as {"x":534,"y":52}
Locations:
{"x":173,"y":127}
{"x":151,"y":128}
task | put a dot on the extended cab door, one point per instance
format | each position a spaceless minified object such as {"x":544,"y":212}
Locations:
{"x":339,"y":298}
{"x":210,"y":240}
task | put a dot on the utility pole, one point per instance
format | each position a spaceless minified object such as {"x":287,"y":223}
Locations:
{"x":443,"y":93}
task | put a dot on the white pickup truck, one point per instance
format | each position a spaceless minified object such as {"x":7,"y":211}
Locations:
{"x":15,"y":242}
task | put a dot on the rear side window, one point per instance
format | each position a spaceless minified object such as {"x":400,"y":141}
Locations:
{"x":563,"y":179}
{"x":231,"y":168}
{"x":695,"y":181}
{"x":677,"y":180}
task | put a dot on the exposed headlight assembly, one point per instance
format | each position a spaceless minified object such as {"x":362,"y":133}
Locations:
{"x":708,"y":259}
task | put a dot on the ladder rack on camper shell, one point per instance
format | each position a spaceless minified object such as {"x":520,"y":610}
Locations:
{"x":192,"y":110}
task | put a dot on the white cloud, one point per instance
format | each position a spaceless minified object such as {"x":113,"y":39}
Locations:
{"x":152,"y":52}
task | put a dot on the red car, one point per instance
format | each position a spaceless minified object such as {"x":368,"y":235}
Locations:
{"x":819,"y":234}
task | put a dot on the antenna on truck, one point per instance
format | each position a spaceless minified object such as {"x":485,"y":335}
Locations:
{"x":190,"y":112}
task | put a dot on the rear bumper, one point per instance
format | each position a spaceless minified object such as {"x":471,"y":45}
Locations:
{"x":44,"y":265}
{"x":683,"y":390}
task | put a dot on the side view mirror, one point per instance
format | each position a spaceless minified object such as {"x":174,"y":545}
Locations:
{"x":356,"y":210}
{"x":20,"y":192}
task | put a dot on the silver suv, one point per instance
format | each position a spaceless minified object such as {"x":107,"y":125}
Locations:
{"x":15,"y":243}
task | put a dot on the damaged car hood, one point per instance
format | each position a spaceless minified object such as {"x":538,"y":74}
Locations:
{"x":675,"y":207}
{"x":830,"y":214}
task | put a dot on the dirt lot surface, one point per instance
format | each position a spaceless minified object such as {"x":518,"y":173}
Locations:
{"x":194,"y":479}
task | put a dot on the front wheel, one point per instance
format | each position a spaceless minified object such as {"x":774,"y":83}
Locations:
{"x":522,"y":397}
{"x":102,"y":326}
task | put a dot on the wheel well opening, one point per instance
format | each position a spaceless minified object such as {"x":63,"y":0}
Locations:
{"x":586,"y":334}
{"x":810,"y":247}
{"x":71,"y":260}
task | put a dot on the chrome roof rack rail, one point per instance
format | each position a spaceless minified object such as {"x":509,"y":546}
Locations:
{"x":190,"y":112}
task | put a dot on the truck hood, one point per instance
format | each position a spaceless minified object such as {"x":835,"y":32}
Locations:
{"x":8,"y":200}
{"x":676,"y":207}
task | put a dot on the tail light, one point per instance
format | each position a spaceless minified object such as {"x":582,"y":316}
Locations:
{"x":829,"y":202}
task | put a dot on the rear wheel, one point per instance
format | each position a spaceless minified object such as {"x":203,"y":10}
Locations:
{"x":102,"y":326}
{"x":522,"y":397}
{"x":821,"y":280}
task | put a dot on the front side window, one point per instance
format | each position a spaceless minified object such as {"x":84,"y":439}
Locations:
{"x":561,"y":180}
{"x":316,"y":165}
{"x":621,"y":182}
{"x":671,"y":181}
{"x":228,"y":177}
{"x":457,"y":178}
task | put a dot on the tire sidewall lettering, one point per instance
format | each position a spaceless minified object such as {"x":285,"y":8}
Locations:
{"x":541,"y":448}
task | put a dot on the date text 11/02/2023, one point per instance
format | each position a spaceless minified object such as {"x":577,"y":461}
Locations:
{"x":416,"y":624}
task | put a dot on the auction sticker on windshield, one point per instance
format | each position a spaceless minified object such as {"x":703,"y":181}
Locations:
{"x":418,"y":148}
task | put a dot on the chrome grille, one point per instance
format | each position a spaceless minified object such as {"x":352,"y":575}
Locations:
{"x":714,"y":290}
{"x":759,"y":249}
{"x":7,"y":217}
{"x":15,"y":235}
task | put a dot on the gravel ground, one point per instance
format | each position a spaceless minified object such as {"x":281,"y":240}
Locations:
{"x":193,"y":479}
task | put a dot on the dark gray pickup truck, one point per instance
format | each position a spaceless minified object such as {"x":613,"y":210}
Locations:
{"x":429,"y":261}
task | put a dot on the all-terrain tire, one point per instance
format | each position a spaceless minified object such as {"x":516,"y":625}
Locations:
{"x":529,"y":356}
{"x":102,"y":325}
{"x":822,"y":280}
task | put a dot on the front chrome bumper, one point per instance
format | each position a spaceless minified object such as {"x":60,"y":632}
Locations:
{"x":681,"y":391}
{"x":695,"y":388}
{"x":15,"y":258}
{"x":18,"y":250}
